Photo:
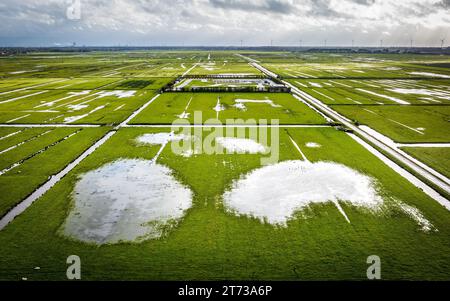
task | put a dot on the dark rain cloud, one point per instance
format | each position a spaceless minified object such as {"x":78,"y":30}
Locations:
{"x":445,"y":4}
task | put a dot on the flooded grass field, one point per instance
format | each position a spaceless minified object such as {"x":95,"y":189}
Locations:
{"x":88,"y":166}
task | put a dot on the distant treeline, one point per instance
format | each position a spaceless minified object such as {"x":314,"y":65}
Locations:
{"x":413,"y":50}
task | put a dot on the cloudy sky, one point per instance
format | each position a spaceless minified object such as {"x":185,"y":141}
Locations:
{"x":224,"y":22}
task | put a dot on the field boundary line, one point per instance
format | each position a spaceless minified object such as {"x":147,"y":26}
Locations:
{"x":46,"y":125}
{"x":228,"y":125}
{"x":139,"y":110}
{"x":425,"y":145}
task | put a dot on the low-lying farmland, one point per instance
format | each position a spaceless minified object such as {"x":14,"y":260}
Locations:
{"x":100,"y":160}
{"x":213,"y":242}
{"x":376,"y":92}
{"x":436,"y":157}
{"x":30,"y":156}
{"x":406,"y":124}
{"x":282,"y":106}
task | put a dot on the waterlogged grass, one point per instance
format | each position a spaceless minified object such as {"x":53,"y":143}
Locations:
{"x":211,"y":243}
{"x":435,"y":157}
{"x":403,"y":123}
{"x":22,"y":180}
{"x":13,"y":84}
{"x":59,"y":106}
{"x":31,"y":83}
{"x":170,"y":106}
{"x":309,"y":65}
{"x":6,"y":131}
{"x":363,"y":91}
{"x":14,"y":136}
{"x":223,"y":67}
{"x":30,"y":146}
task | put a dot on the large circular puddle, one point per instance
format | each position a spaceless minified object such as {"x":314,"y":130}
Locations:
{"x":127,"y":200}
{"x":273,"y":193}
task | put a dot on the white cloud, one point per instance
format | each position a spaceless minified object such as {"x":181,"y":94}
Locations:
{"x":219,"y":22}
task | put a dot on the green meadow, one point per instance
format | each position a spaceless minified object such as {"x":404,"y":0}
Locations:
{"x":56,"y":106}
